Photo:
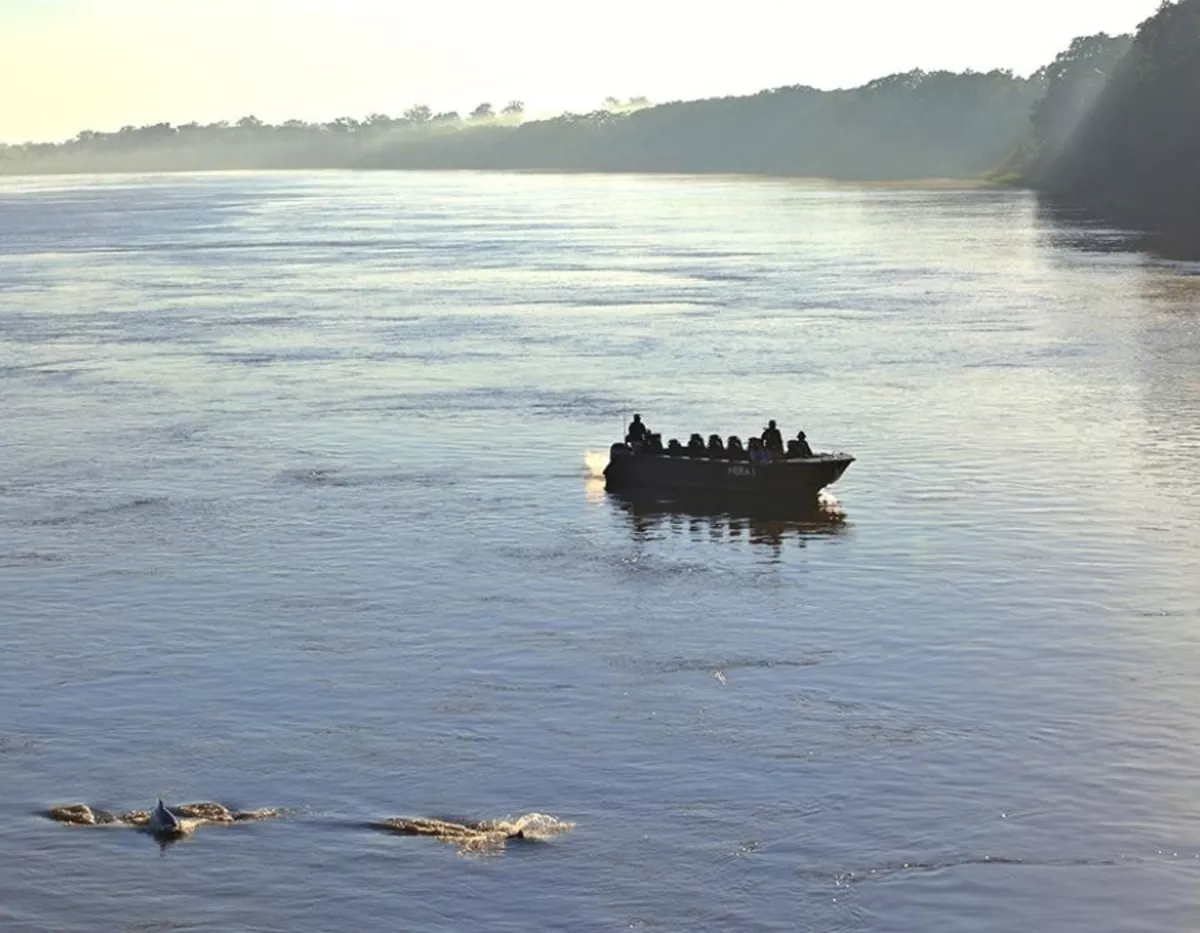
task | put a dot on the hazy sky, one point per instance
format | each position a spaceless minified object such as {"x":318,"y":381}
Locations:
{"x":67,"y":65}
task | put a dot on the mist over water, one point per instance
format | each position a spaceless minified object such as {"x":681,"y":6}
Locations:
{"x":299,"y":509}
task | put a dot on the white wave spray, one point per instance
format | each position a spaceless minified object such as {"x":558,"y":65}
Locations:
{"x":595,"y":462}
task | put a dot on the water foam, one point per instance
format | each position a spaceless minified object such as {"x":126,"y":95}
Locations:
{"x":595,"y":462}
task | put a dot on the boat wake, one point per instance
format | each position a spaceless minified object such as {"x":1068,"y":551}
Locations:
{"x":595,"y":462}
{"x":828,"y":504}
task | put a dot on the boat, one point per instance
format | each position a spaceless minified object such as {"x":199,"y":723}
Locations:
{"x":777,"y":480}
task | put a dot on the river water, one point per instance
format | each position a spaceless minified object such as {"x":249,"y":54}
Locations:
{"x":294,"y":513}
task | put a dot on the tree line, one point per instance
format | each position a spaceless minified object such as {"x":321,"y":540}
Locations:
{"x":911,"y":125}
{"x":1131,"y":155}
{"x":1110,"y":125}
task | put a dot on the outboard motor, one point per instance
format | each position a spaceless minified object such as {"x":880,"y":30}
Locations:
{"x":656,"y":443}
{"x":734,"y":448}
{"x":619,"y":450}
{"x":716,"y":449}
{"x":695,"y":447}
{"x":674,"y":448}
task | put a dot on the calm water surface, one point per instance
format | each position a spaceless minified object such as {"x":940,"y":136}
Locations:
{"x":294,"y":513}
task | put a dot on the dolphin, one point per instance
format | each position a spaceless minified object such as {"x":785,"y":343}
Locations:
{"x":163,"y":822}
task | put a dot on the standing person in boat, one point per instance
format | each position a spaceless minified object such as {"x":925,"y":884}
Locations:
{"x":771,"y":438}
{"x":638,"y":432}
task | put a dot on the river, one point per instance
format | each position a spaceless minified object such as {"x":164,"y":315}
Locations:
{"x":295,"y":512}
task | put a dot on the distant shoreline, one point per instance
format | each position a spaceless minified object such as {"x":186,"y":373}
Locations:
{"x":923,"y":184}
{"x":1108,"y":127}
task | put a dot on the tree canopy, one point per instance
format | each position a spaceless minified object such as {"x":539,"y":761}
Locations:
{"x":910,"y":125}
{"x":1133,"y":157}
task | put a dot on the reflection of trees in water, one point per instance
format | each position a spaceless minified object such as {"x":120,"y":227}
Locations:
{"x":651,"y":517}
{"x":1062,"y":227}
{"x":1159,"y":303}
{"x":1168,"y":363}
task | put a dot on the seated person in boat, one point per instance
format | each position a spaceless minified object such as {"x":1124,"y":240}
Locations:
{"x":771,"y":438}
{"x":696,"y":446}
{"x":734,"y":449}
{"x":716,"y":449}
{"x":638,"y":432}
{"x":799,"y":448}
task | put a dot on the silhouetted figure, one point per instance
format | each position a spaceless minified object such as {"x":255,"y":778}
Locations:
{"x":799,"y":447}
{"x":638,"y":432}
{"x":716,"y":449}
{"x":771,"y":438}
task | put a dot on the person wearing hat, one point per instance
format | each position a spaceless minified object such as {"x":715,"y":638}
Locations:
{"x":638,"y":433}
{"x":799,"y":447}
{"x":771,"y":438}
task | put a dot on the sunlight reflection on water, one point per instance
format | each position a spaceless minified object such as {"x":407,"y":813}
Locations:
{"x":290,"y":514}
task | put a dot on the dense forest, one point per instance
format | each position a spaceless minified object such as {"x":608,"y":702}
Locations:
{"x":913,"y":125}
{"x":1133,"y":157}
{"x":1110,"y":126}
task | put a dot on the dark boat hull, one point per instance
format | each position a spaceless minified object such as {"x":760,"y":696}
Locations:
{"x":781,"y":482}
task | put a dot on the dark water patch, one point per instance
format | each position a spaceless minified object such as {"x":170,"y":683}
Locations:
{"x":32,"y":559}
{"x":703,"y":274}
{"x":315,"y":477}
{"x":279,"y":357}
{"x":539,"y":688}
{"x":19,"y":744}
{"x":142,"y":339}
{"x":523,"y":400}
{"x":885,"y":872}
{"x":829,"y":724}
{"x":186,"y":433}
{"x":343,"y":603}
{"x":261,"y":320}
{"x":52,"y":374}
{"x":726,"y":666}
{"x":336,"y":478}
{"x":104,"y":512}
{"x":1000,"y":364}
{"x":642,"y":301}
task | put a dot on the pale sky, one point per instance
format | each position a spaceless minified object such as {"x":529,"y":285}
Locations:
{"x":68,"y":65}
